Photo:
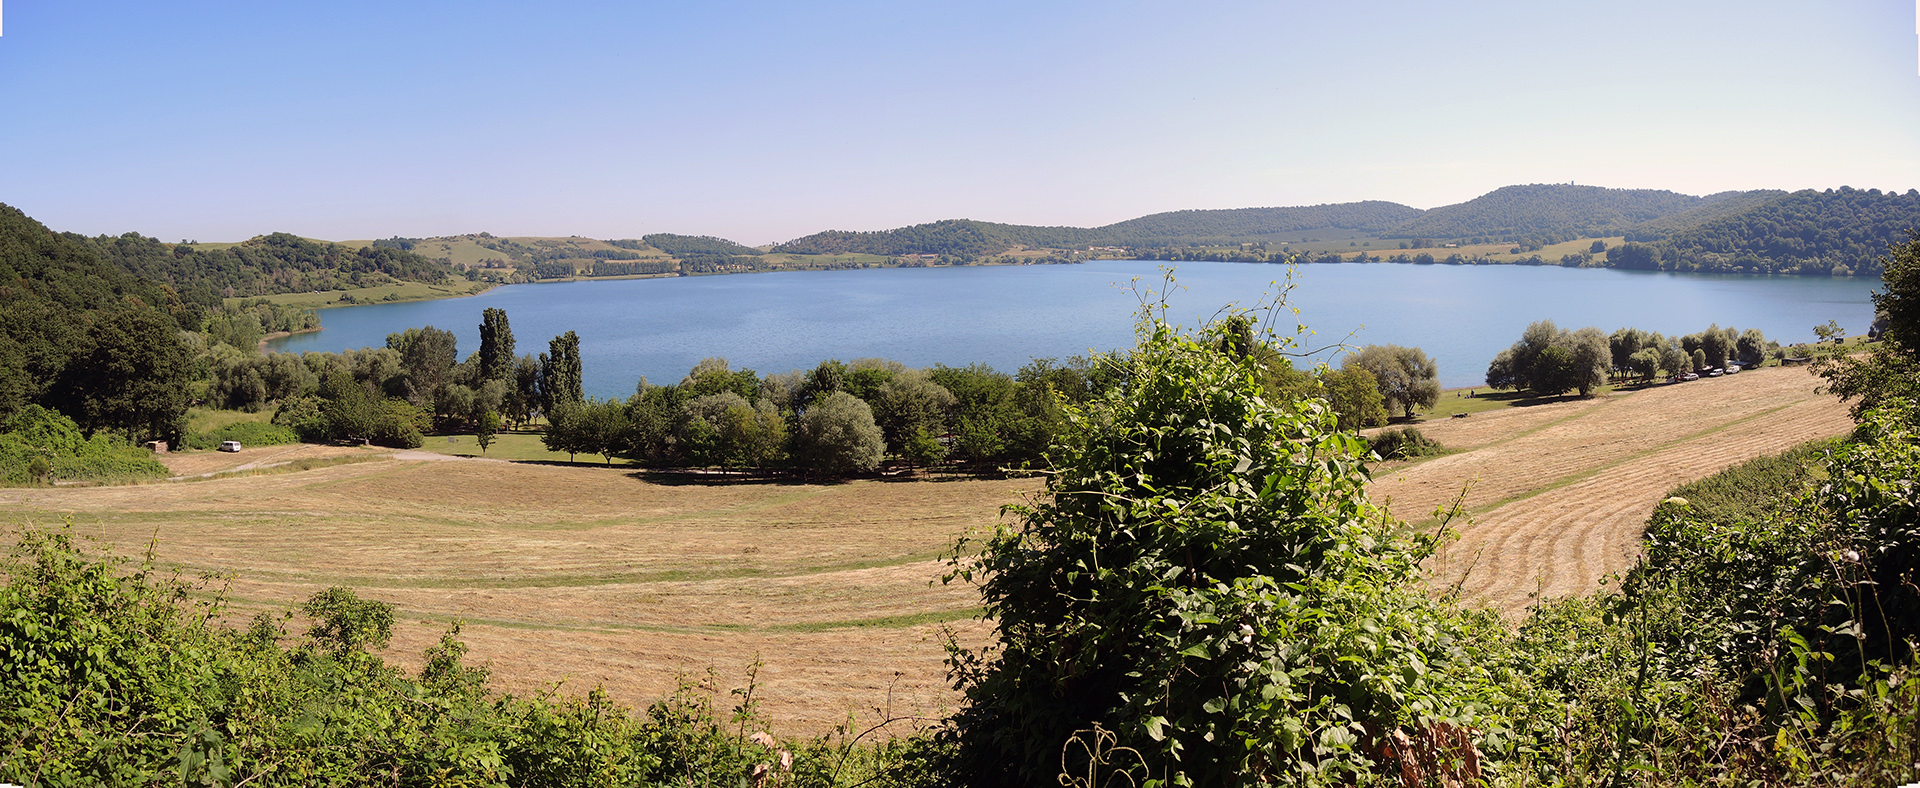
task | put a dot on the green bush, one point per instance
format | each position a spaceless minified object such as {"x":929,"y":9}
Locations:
{"x":248,"y":433}
{"x":1766,"y":637}
{"x":1403,"y":443}
{"x":40,"y":445}
{"x":1207,"y":584}
{"x":117,"y":675}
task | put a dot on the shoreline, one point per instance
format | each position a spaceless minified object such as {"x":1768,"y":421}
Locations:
{"x":283,"y":335}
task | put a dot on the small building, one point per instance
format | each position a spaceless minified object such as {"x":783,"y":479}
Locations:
{"x":157,"y":447}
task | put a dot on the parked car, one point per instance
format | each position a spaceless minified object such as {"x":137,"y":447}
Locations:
{"x":1716,"y":372}
{"x":229,"y":445}
{"x":1690,"y":376}
{"x":1732,"y":368}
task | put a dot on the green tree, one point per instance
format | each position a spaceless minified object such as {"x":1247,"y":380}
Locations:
{"x":587,"y":427}
{"x":758,"y":435}
{"x":1891,"y":370}
{"x":838,"y":436}
{"x":1406,"y":376}
{"x":496,"y":344}
{"x":486,"y":426}
{"x":1716,"y":345}
{"x":908,"y":405}
{"x":1831,"y":332}
{"x":1355,"y":397}
{"x":560,"y":372}
{"x":1645,"y":363}
{"x":1551,"y":360}
{"x":428,"y":355}
{"x":1751,"y":348}
{"x":707,"y":434}
{"x":131,"y":377}
{"x":1899,"y":297}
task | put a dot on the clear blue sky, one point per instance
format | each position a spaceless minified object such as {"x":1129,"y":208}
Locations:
{"x":763,"y":121}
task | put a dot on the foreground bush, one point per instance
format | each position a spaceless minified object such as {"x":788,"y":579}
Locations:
{"x":118,"y":676}
{"x":1766,"y":638}
{"x":1206,"y":596}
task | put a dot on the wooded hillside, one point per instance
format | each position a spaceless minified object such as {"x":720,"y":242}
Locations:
{"x":1556,"y":211}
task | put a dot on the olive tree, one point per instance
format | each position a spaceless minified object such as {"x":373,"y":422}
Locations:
{"x":1406,"y":376}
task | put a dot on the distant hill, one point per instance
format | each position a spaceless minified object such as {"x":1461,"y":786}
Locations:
{"x":1252,"y":224}
{"x":267,"y":265}
{"x":1711,"y":207}
{"x":680,"y":245}
{"x":1546,"y":213}
{"x":961,"y":237}
{"x":968,"y":237}
{"x":1838,"y":231}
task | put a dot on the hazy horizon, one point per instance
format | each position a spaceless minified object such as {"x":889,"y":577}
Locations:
{"x":763,"y":122}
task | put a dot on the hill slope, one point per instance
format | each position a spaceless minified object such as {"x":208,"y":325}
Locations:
{"x":972,"y":238}
{"x":1838,"y":231}
{"x":1545,"y":212}
{"x":1253,"y":224}
{"x":1713,"y":206}
{"x":266,"y":265}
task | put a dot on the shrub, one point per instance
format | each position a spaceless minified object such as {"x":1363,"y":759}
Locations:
{"x":1403,"y":443}
{"x":248,"y":433}
{"x":117,"y":675}
{"x":1207,"y":584}
{"x":42,"y":445}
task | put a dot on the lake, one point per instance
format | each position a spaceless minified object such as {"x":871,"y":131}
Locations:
{"x":1004,"y":316}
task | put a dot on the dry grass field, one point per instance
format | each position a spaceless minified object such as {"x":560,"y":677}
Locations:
{"x":1558,"y":493}
{"x":587,"y":575}
{"x":578,"y":576}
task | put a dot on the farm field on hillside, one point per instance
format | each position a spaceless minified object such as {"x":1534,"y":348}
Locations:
{"x":1558,"y":493}
{"x":588,"y":575}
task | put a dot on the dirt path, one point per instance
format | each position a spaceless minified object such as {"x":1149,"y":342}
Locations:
{"x":1559,"y":494}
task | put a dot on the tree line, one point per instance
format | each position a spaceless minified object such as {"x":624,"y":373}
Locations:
{"x":1550,"y":360}
{"x":835,"y":419}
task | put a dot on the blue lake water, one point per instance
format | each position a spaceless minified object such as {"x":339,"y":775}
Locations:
{"x":1004,"y":316}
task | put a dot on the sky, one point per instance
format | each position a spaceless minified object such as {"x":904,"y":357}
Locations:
{"x":765,"y":121}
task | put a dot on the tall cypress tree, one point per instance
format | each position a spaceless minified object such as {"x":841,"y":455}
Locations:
{"x":496,"y":345}
{"x":560,"y":372}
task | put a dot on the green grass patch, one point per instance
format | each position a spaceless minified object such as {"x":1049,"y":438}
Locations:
{"x":882,"y":622}
{"x":1486,"y":399}
{"x":248,"y":433}
{"x":1758,"y":487}
{"x":511,"y":446}
{"x":209,"y":419}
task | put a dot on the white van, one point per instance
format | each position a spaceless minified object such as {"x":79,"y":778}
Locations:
{"x":229,"y":445}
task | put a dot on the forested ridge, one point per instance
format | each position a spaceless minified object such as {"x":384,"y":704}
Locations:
{"x":1514,"y":212}
{"x":268,"y":265}
{"x":81,"y":336}
{"x":974,"y":238}
{"x":1838,"y":231}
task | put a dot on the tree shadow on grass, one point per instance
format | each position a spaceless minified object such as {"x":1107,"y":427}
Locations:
{"x":690,"y":477}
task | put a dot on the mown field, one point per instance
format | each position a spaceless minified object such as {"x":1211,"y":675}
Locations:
{"x":585,"y":576}
{"x":578,"y":575}
{"x":1557,"y":494}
